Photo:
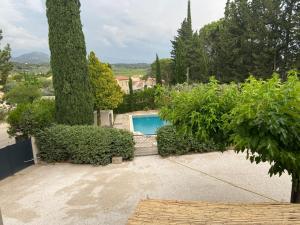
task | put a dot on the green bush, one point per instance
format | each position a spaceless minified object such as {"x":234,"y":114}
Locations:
{"x":84,"y":144}
{"x":22,"y":93}
{"x":140,"y":100}
{"x":169,"y":142}
{"x":27,"y":119}
{"x":201,"y":111}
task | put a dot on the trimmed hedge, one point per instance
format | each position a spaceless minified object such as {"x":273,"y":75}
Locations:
{"x":169,"y":142}
{"x":84,"y":144}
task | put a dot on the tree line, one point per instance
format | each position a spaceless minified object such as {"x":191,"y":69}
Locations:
{"x":257,"y":37}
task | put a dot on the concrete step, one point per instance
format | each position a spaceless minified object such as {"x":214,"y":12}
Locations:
{"x":145,"y":151}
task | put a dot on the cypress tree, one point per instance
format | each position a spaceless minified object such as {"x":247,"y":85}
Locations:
{"x":189,"y":18}
{"x":158,"y":72}
{"x":130,"y":94}
{"x":130,"y":86}
{"x":74,"y":101}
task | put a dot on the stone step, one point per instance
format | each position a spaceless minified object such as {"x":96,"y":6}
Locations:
{"x":145,"y":151}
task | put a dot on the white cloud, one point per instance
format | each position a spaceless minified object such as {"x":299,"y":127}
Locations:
{"x":115,"y":29}
{"x":34,"y":5}
{"x":13,"y":15}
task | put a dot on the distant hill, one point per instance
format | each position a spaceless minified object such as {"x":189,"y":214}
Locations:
{"x":131,"y":69}
{"x":32,"y":58}
{"x":38,"y":62}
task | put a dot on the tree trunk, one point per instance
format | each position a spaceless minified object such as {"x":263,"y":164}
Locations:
{"x":295,"y":195}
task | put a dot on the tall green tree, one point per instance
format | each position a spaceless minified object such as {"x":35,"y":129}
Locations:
{"x":265,"y":123}
{"x":107,"y":92}
{"x":166,"y":68}
{"x":130,"y":86}
{"x":158,"y":71}
{"x":5,"y":64}
{"x":256,"y":37}
{"x":181,"y":53}
{"x":130,"y":100}
{"x":73,"y":95}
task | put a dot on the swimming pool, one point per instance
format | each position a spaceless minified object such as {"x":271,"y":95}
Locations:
{"x":147,"y":124}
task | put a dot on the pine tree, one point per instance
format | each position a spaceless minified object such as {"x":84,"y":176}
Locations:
{"x":189,"y":38}
{"x":73,"y":97}
{"x":166,"y":69}
{"x":290,"y":30}
{"x":158,"y":71}
{"x":107,"y":92}
{"x":182,"y":49}
{"x":5,"y":64}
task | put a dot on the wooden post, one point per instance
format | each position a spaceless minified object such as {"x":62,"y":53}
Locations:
{"x":1,"y":220}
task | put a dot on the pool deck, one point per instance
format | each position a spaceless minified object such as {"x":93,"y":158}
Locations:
{"x":144,"y":144}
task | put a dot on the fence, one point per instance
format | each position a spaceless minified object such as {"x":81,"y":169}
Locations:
{"x":14,"y":158}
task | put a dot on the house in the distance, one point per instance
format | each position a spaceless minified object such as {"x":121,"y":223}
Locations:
{"x":123,"y":82}
{"x":138,"y":83}
{"x":150,"y":82}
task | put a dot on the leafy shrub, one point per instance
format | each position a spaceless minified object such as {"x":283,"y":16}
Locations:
{"x":169,"y":142}
{"x":9,"y":85}
{"x":23,"y":94}
{"x":139,"y":100}
{"x":201,"y":111}
{"x":84,"y":144}
{"x":266,"y":124}
{"x":27,"y":119}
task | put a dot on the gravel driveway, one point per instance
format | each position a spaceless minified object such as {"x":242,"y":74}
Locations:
{"x":66,"y":194}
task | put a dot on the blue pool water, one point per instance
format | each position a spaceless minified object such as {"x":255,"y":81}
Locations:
{"x":147,"y":125}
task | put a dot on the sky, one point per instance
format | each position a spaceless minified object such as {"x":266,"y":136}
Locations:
{"x":119,"y":31}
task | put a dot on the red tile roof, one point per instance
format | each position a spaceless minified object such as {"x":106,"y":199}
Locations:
{"x":122,"y":78}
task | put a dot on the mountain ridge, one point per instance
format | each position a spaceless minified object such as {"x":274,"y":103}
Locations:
{"x":32,"y":58}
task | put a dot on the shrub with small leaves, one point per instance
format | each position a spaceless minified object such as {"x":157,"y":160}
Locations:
{"x":200,"y":111}
{"x":84,"y":144}
{"x":169,"y":142}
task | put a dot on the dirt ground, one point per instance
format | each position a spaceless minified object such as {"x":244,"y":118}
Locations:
{"x":4,"y":137}
{"x":66,"y":194}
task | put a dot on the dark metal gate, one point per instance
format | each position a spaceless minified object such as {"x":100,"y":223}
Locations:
{"x":14,"y":158}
